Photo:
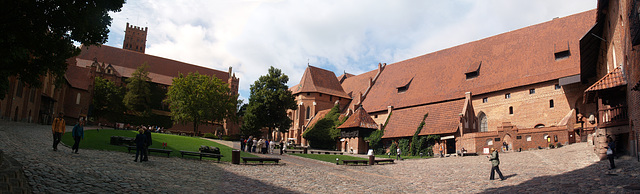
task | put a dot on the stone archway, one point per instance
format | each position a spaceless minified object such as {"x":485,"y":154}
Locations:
{"x":508,"y":141}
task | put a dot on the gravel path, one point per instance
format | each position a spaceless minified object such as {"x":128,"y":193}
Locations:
{"x":570,"y":169}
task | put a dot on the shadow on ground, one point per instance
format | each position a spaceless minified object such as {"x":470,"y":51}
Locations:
{"x":594,"y":178}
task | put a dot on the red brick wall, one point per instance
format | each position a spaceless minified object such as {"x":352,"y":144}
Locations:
{"x":476,"y":142}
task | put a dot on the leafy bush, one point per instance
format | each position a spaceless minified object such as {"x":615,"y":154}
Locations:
{"x":210,"y":136}
{"x":228,"y":138}
{"x":324,"y":133}
{"x":375,"y":139}
{"x":551,"y":146}
{"x":392,"y":149}
{"x":404,"y":146}
{"x":414,"y":148}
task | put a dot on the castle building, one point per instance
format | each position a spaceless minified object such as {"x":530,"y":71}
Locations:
{"x":519,"y":90}
{"x":115,"y":64}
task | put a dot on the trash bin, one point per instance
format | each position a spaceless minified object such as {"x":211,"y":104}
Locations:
{"x":235,"y":156}
{"x":305,"y":150}
{"x":372,"y":158}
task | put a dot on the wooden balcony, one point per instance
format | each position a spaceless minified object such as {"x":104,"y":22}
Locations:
{"x":611,"y":117}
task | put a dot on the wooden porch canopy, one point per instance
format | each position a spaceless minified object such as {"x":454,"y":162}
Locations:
{"x":613,"y":79}
{"x":358,"y":125}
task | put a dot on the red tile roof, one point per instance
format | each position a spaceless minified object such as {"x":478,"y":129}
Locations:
{"x":520,"y":57}
{"x":78,"y":77}
{"x":355,"y":85}
{"x":131,"y":60}
{"x":443,"y":118}
{"x":611,"y":80}
{"x":359,"y":119}
{"x":321,"y":81}
{"x":320,"y":115}
{"x":344,"y":76}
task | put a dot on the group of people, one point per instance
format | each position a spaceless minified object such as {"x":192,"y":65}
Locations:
{"x":143,"y":141}
{"x":261,"y":145}
{"x":58,"y":128}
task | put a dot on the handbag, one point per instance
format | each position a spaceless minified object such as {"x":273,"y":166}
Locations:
{"x":609,"y":151}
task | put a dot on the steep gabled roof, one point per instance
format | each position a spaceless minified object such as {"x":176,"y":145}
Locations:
{"x":123,"y":59}
{"x":344,"y":76}
{"x":517,"y":58}
{"x":443,"y":118}
{"x":321,"y":81}
{"x":78,"y":77}
{"x":355,"y":85}
{"x":320,"y":115}
{"x":359,"y":119}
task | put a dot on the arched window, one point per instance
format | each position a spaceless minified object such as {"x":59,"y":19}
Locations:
{"x":489,"y":141}
{"x":308,"y":112}
{"x":484,"y":123}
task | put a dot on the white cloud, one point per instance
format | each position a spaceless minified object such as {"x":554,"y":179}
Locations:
{"x":352,"y":36}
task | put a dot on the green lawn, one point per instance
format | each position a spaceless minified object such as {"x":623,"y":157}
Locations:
{"x":329,"y":158}
{"x":403,"y":157}
{"x":100,"y":141}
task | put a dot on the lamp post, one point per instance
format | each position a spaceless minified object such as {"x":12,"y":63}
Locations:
{"x":337,"y":159}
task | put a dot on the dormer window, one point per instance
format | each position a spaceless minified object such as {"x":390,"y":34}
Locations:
{"x":405,"y":87}
{"x":561,"y":50}
{"x":473,"y":70}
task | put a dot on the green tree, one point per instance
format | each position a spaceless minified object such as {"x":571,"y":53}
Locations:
{"x":375,"y":138}
{"x":269,"y":101}
{"x":200,"y":99}
{"x":325,"y":132}
{"x":138,"y":96}
{"x":36,"y":37}
{"x":107,"y":100}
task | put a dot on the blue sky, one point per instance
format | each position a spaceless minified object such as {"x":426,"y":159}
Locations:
{"x":352,"y":36}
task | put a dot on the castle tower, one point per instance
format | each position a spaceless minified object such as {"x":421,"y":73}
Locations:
{"x":135,"y":38}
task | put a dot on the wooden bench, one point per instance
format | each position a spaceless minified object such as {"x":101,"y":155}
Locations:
{"x":200,"y":154}
{"x":345,"y":162}
{"x":383,"y":160}
{"x":325,"y":152}
{"x":164,"y":151}
{"x":294,"y":151}
{"x":261,"y":160}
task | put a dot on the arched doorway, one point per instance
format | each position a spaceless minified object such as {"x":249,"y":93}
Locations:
{"x":508,"y":142}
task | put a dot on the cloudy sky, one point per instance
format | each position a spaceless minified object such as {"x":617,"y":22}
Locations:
{"x":350,"y":36}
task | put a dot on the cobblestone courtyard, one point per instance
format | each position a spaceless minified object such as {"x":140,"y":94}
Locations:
{"x":570,"y":169}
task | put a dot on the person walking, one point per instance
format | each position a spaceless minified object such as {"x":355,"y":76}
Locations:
{"x":611,"y":148}
{"x":140,"y":144}
{"x":255,"y":143}
{"x":495,"y":161}
{"x":58,"y":129}
{"x":398,"y":153}
{"x":242,"y":143}
{"x":147,"y":134}
{"x":77,"y":133}
{"x":249,"y":143}
{"x":281,"y":146}
{"x":441,"y":150}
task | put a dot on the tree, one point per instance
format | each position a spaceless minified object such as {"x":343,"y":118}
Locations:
{"x":36,"y":37}
{"x":200,"y":99}
{"x":269,"y":101}
{"x":138,"y":96}
{"x":107,"y":100}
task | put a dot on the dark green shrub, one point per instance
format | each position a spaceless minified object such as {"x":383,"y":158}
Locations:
{"x":324,"y":133}
{"x":210,"y":136}
{"x":558,"y":145}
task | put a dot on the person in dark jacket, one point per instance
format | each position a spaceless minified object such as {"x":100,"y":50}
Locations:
{"x":242,"y":143}
{"x":495,"y":161}
{"x":77,"y":134}
{"x":611,"y":148}
{"x":147,"y":134}
{"x":141,"y":141}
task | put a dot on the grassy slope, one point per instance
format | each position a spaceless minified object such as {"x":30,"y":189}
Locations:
{"x":329,"y":158}
{"x":100,"y":141}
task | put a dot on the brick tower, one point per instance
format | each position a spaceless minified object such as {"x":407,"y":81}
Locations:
{"x":135,"y":38}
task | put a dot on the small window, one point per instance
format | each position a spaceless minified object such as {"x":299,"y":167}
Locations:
{"x":78,"y":98}
{"x":507,"y":96}
{"x":528,"y":137}
{"x":402,"y":89}
{"x":19,"y":89}
{"x":485,"y":100}
{"x":375,"y":116}
{"x":551,"y":105}
{"x":320,"y":94}
{"x":518,"y":137}
{"x":539,"y":126}
{"x":308,"y":112}
{"x":308,"y":93}
{"x":562,"y":55}
{"x":558,"y":87}
{"x":497,"y":139}
{"x":511,"y":110}
{"x":472,"y":74}
{"x":532,"y":91}
{"x":330,"y":98}
{"x":489,"y":141}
